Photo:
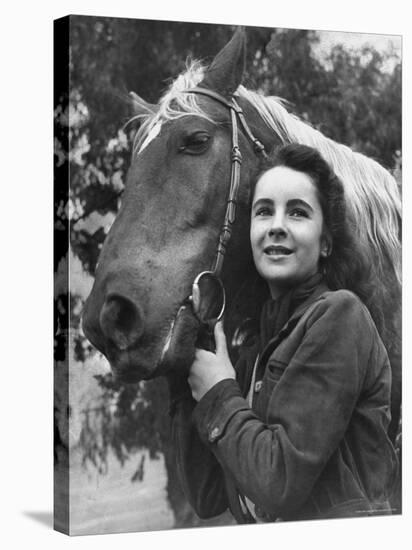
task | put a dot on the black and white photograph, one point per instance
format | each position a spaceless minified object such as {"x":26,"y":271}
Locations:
{"x":233,"y":345}
{"x":215,"y":352}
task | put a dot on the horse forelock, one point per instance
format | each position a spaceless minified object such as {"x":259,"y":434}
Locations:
{"x":174,"y":104}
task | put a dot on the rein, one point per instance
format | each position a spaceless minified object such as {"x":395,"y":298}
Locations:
{"x":236,"y":114}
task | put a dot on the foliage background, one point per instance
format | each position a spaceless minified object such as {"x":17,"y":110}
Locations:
{"x":353,"y":96}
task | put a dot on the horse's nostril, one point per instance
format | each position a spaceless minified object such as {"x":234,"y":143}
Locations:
{"x":121,"y":321}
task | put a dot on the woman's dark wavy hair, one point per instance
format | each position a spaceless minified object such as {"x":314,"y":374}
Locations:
{"x":347,"y":265}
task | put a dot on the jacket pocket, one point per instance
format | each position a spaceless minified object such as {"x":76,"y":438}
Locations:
{"x":275,"y":369}
{"x":273,"y":373}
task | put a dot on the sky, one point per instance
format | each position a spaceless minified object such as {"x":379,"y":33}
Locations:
{"x":383,"y":43}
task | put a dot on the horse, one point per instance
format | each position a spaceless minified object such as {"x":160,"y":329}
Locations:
{"x":169,"y":227}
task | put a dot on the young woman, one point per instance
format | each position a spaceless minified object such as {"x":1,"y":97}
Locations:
{"x":298,"y":430}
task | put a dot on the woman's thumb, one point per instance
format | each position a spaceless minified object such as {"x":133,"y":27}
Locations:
{"x":220,"y":338}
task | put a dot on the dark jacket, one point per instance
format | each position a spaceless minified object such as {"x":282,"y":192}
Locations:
{"x":315,"y":443}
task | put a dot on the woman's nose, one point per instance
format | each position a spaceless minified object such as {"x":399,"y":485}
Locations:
{"x":277,"y":227}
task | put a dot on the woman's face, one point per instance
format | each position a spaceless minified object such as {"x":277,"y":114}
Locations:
{"x":286,"y":228}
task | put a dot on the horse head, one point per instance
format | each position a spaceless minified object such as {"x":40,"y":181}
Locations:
{"x":168,"y":227}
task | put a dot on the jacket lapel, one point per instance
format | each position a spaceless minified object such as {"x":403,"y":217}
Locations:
{"x":291,"y":323}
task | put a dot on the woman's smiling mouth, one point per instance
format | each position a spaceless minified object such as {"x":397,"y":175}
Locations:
{"x":277,"y":251}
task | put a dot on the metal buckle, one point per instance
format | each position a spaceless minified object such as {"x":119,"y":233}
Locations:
{"x":208,"y":298}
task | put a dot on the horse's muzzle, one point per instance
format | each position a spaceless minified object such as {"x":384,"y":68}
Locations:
{"x":115,"y":326}
{"x":121,"y":322}
{"x":137,"y":347}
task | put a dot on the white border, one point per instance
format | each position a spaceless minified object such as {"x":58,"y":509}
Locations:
{"x":27,"y":274}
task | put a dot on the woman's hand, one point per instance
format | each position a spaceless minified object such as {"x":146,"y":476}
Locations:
{"x":210,"y":368}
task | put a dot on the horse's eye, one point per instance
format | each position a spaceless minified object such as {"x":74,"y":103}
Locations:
{"x":196,"y":143}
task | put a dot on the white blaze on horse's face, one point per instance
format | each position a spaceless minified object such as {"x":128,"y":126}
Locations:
{"x":154,"y":132}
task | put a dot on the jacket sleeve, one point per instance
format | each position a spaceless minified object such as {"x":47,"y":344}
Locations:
{"x":200,"y":474}
{"x":276,"y":462}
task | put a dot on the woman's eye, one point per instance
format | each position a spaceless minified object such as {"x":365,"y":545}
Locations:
{"x":263,"y":211}
{"x":195,"y":143}
{"x":298,"y":213}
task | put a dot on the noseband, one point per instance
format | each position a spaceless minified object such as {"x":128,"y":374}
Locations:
{"x":236,"y":114}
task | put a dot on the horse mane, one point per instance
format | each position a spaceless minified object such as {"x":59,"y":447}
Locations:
{"x":372,"y":194}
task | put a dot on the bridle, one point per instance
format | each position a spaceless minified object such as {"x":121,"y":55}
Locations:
{"x":213,"y":276}
{"x":207,"y":299}
{"x":236,"y":114}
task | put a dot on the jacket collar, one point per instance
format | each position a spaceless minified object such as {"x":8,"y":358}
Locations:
{"x":314,"y":297}
{"x":287,"y":328}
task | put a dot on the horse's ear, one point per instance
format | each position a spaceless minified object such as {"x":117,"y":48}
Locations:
{"x":141,"y":107}
{"x":225,"y":73}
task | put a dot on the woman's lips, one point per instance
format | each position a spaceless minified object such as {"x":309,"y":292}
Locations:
{"x":277,"y":251}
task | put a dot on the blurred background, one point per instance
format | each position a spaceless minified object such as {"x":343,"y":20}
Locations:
{"x":122,"y":475}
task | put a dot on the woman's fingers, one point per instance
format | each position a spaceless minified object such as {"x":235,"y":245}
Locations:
{"x":220,"y":339}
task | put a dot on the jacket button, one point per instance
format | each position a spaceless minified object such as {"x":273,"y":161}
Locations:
{"x":258,"y":386}
{"x":214,"y":434}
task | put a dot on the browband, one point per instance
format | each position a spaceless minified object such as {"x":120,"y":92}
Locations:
{"x":233,"y":105}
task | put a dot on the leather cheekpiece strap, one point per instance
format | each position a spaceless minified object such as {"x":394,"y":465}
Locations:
{"x":230,"y":215}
